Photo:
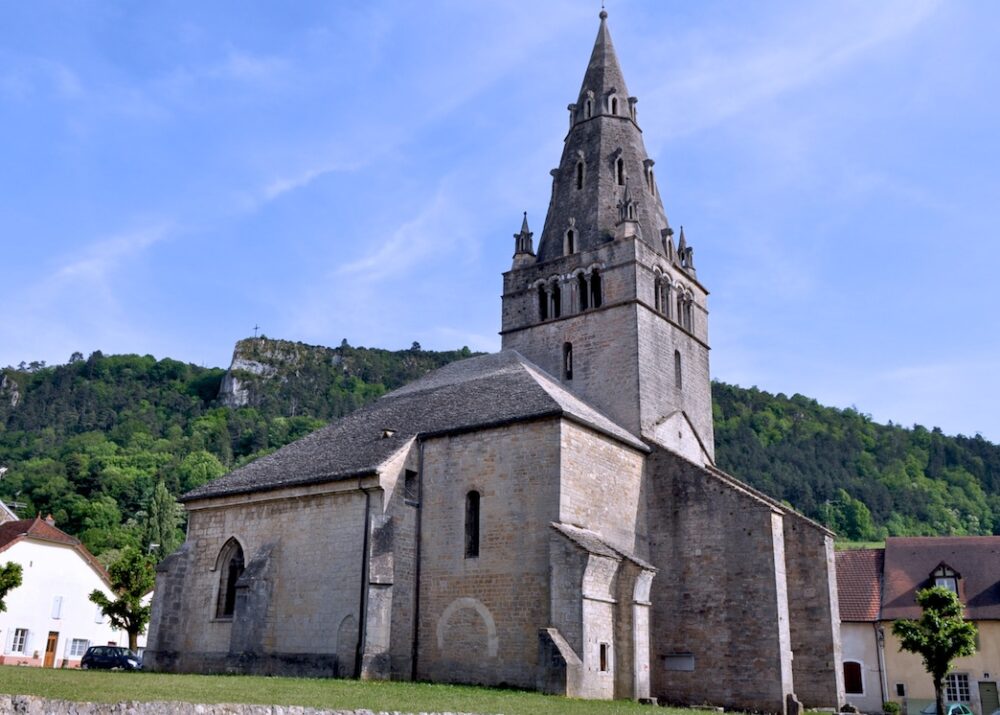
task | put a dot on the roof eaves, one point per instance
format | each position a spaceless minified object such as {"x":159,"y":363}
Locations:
{"x":254,"y":488}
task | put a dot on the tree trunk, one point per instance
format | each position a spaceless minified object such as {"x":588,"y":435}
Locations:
{"x":939,"y":696}
{"x":133,"y":644}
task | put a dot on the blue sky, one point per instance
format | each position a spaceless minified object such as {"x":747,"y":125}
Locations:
{"x":173,"y":174}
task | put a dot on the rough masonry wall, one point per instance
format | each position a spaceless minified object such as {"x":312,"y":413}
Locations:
{"x":814,"y":613}
{"x":602,"y":487}
{"x":718,"y":603}
{"x":479,"y":617}
{"x":315,"y":543}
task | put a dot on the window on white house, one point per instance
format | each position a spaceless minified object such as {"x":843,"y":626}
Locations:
{"x":900,"y":690}
{"x":956,"y":688}
{"x":77,"y":647}
{"x":57,"y":606}
{"x":98,"y":615}
{"x":20,"y":640}
{"x":853,"y":679}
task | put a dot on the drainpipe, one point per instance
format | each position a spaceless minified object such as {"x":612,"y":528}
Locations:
{"x":416,"y":566}
{"x":363,"y":605}
{"x":880,"y":656}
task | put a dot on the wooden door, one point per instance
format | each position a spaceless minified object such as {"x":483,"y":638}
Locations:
{"x":988,"y":697}
{"x":50,"y":649}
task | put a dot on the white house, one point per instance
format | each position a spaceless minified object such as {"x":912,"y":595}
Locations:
{"x":50,"y":620}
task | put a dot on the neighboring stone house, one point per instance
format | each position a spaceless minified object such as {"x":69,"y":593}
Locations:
{"x":546,"y":517}
{"x":50,"y":620}
{"x":879,"y":586}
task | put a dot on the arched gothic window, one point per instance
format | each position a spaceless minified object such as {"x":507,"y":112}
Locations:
{"x":678,"y":377}
{"x":555,"y":299}
{"x":614,"y":106}
{"x":472,"y":525}
{"x":582,"y":290}
{"x":230,"y":567}
{"x":667,"y":298}
{"x":543,"y":303}
{"x":588,"y":111}
{"x":570,"y":246}
{"x":579,"y":175}
{"x":620,"y":171}
{"x":658,"y":293}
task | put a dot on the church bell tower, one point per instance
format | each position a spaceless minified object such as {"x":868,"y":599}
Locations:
{"x":611,"y":303}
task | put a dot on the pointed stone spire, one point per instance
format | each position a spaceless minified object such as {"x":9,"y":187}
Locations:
{"x":604,"y":74}
{"x":524,"y":252}
{"x":602,"y":151}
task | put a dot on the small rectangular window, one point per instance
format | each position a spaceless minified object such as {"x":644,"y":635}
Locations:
{"x":604,"y":657}
{"x":98,"y":615}
{"x":57,"y":606}
{"x":900,"y":690}
{"x":567,"y":361}
{"x":853,"y":678}
{"x":679,"y":662}
{"x":77,"y":647}
{"x":411,"y":487}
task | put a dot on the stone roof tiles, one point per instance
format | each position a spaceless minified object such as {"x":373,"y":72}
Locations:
{"x":859,"y":584}
{"x":478,"y":392}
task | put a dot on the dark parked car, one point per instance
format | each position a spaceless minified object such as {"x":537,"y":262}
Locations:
{"x":110,"y":657}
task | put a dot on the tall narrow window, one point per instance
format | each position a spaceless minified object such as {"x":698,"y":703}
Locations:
{"x":570,"y":242}
{"x":667,"y":298}
{"x":588,"y":109}
{"x":579,"y":175}
{"x":555,"y":293}
{"x":680,"y":308}
{"x":230,"y":567}
{"x":605,"y":649}
{"x":620,"y":171}
{"x":678,"y":377}
{"x":657,"y":294}
{"x":614,"y":106}
{"x":595,"y":290}
{"x":582,"y":289}
{"x":567,"y":361}
{"x":543,"y":304}
{"x":411,"y":487}
{"x":472,"y":525}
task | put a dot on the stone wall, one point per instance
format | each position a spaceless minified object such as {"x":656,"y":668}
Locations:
{"x":602,"y":487}
{"x":305,"y":610}
{"x":720,"y":612}
{"x":479,"y":617}
{"x":814,"y":613}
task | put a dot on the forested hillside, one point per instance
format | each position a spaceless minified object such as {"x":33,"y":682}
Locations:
{"x":864,"y":479}
{"x":107,"y":443}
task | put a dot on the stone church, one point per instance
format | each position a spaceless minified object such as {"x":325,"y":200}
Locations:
{"x":549,"y":516}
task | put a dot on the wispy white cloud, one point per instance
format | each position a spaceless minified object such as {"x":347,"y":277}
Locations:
{"x":715,"y":85}
{"x":95,"y":264}
{"x":433,"y":231}
{"x":28,"y":76}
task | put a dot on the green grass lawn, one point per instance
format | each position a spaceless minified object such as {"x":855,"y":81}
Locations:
{"x":97,"y":686}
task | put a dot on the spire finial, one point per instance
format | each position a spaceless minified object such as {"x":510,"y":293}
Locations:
{"x":604,"y":13}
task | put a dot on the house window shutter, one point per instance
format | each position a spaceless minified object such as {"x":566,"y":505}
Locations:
{"x":98,"y":616}
{"x":57,"y":607}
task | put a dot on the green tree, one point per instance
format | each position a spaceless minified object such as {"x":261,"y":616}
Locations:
{"x":162,"y":522}
{"x":132,"y":577}
{"x":939,"y":636}
{"x":10,"y":578}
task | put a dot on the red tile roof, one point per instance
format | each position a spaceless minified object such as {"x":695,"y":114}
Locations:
{"x":859,"y":584}
{"x":910,"y":560}
{"x":38,"y":529}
